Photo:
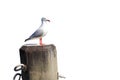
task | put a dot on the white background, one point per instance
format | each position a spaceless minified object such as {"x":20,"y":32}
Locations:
{"x":85,"y":32}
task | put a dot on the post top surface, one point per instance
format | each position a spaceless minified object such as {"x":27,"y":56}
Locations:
{"x":37,"y":47}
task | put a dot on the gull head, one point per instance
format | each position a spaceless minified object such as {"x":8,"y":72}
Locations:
{"x":43,"y":19}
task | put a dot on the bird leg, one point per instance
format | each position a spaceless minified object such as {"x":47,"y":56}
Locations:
{"x":41,"y":41}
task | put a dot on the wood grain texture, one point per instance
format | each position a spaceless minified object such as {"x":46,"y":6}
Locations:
{"x":41,"y":62}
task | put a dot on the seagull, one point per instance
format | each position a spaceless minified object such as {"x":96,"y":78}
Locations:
{"x":40,"y":32}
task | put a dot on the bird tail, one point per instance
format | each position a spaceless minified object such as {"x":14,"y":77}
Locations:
{"x":27,"y":39}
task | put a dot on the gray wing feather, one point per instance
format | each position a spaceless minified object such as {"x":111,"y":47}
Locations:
{"x":37,"y":33}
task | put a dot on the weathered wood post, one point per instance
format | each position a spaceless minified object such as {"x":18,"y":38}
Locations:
{"x":41,"y":62}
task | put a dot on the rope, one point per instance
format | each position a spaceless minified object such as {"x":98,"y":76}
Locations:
{"x":17,"y":74}
{"x":19,"y":67}
{"x":22,"y":67}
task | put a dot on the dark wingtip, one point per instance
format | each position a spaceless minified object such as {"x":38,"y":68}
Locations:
{"x":26,"y":40}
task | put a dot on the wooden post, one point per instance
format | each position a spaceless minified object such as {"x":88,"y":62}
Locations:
{"x":41,"y":62}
